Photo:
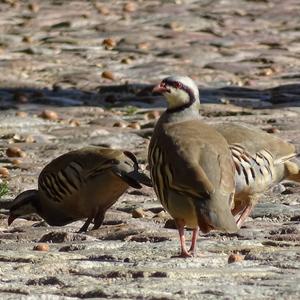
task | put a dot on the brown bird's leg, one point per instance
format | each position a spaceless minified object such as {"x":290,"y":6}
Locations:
{"x":85,"y":226}
{"x":244,"y":215}
{"x":192,"y":250}
{"x":98,"y":220}
{"x":180,"y":226}
{"x":236,"y":210}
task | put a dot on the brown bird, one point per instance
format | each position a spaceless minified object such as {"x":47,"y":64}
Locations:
{"x":80,"y":184}
{"x":261,"y":160}
{"x":191,"y":164}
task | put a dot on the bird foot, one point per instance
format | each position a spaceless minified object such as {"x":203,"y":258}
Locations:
{"x":192,"y":252}
{"x":183,"y":254}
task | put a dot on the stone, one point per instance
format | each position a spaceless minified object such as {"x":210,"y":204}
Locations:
{"x":244,"y":56}
{"x":41,"y":247}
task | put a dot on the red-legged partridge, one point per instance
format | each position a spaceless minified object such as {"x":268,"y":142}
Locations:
{"x":261,"y":160}
{"x":80,"y":184}
{"x":191,"y":164}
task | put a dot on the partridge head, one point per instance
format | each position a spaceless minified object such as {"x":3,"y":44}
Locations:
{"x":180,"y":92}
{"x":80,"y":184}
{"x":190,"y":164}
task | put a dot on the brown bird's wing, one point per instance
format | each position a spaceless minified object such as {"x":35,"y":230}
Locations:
{"x":255,"y":140}
{"x":200,"y":167}
{"x":65,"y":174}
{"x":259,"y":157}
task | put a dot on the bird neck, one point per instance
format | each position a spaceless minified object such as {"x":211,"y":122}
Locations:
{"x":186,"y":112}
{"x":185,"y":105}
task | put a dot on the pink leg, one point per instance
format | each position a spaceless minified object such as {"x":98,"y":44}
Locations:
{"x":244,"y":215}
{"x":194,"y":241}
{"x":184,"y":252}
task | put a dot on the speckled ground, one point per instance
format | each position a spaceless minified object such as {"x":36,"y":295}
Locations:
{"x":92,"y":64}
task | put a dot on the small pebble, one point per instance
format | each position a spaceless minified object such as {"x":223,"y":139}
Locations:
{"x":129,"y":7}
{"x":134,"y":125}
{"x":74,"y":123}
{"x":126,"y":61}
{"x":143,"y":46}
{"x":17,"y":138}
{"x":162,"y":215}
{"x":272,"y":130}
{"x":234,"y":257}
{"x":41,"y":247}
{"x":34,"y":7}
{"x":4,"y":172}
{"x":120,"y":124}
{"x":29,"y":139}
{"x":16,"y":162}
{"x":138,"y":213}
{"x":152,"y":115}
{"x":15,"y":152}
{"x":21,"y":114}
{"x":267,"y":72}
{"x":108,"y":75}
{"x":102,"y":10}
{"x":49,"y":115}
{"x":175,"y":26}
{"x":109,"y":43}
{"x":27,"y":39}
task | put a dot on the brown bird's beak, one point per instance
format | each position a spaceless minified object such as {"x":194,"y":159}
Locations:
{"x":160,"y":89}
{"x":10,"y":219}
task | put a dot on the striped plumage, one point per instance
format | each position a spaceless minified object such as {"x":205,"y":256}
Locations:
{"x":80,"y":184}
{"x":261,"y":161}
{"x":191,"y":164}
{"x":258,"y":161}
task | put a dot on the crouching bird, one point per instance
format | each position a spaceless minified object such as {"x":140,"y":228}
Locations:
{"x":191,"y":164}
{"x":80,"y":184}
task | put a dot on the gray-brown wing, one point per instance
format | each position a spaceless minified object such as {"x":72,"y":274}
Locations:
{"x":255,"y":140}
{"x":257,"y":155}
{"x":65,"y":175}
{"x":199,"y":164}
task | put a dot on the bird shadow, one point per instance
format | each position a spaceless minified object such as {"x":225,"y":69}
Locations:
{"x":140,"y":95}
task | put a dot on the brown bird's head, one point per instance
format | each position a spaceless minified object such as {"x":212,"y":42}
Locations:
{"x":24,"y":204}
{"x":181,"y":92}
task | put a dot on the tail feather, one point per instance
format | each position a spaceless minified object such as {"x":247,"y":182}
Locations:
{"x":223,"y":220}
{"x":143,"y":179}
{"x":215,"y":213}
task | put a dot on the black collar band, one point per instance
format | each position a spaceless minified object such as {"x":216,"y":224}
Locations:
{"x":192,"y":99}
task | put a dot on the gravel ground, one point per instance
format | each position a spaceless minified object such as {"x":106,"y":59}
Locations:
{"x":77,"y":73}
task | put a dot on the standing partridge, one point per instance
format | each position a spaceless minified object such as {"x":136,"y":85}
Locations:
{"x":191,"y":164}
{"x":80,"y":184}
{"x":261,"y":160}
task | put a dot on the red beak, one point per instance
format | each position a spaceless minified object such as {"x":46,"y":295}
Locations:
{"x":159,"y":89}
{"x":10,"y":219}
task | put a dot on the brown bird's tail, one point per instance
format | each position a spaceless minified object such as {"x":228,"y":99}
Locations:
{"x":135,"y":178}
{"x":143,"y":179}
{"x":292,"y":171}
{"x":224,"y":220}
{"x":216,"y":214}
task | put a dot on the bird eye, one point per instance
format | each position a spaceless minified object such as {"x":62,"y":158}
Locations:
{"x":178,"y":85}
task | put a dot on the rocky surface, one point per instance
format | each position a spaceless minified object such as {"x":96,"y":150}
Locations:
{"x":77,"y":73}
